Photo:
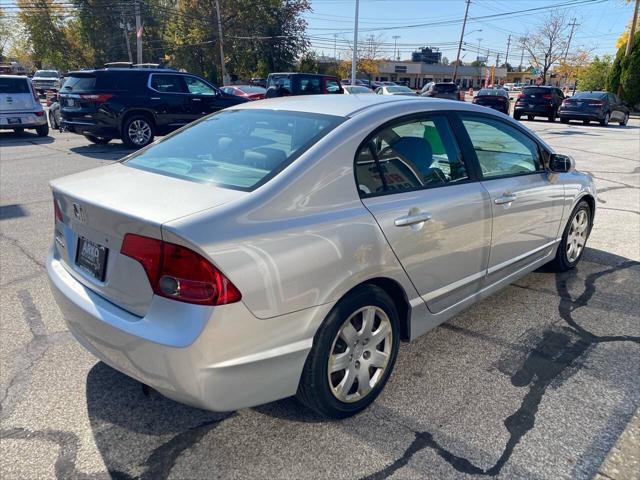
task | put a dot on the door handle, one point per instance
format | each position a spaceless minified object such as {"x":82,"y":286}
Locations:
{"x":196,"y":99}
{"x":505,"y":198}
{"x":409,"y":220}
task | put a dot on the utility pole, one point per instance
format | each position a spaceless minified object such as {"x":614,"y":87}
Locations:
{"x":522,"y":54}
{"x":506,"y":58}
{"x":464,"y":24}
{"x":354,"y":59}
{"x":222,"y":69}
{"x":138,"y":33}
{"x":395,"y":47}
{"x":125,"y":27}
{"x":632,"y":32}
{"x":498,"y":60}
{"x":335,"y":46}
{"x":566,"y":52}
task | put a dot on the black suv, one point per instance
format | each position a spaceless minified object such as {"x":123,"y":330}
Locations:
{"x":135,"y":104}
{"x":542,"y":101}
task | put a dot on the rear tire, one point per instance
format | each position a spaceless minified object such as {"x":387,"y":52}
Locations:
{"x":530,"y":117}
{"x":605,"y":121}
{"x":552,"y":117}
{"x":43,"y":130}
{"x":574,"y":238}
{"x":564,"y":120}
{"x":19,"y":131}
{"x":138,"y":131}
{"x":345,"y":337}
{"x":516,"y":116}
{"x":98,"y":140}
{"x":625,"y":120}
{"x":585,"y":122}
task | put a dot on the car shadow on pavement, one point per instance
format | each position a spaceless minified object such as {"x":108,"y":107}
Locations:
{"x":114,"y":151}
{"x":10,"y":139}
{"x":143,"y":435}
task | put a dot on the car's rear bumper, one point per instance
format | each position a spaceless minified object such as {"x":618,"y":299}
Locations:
{"x":90,"y":127}
{"x":544,"y":110}
{"x":217,"y":358}
{"x":27,"y":120}
{"x":575,"y":115}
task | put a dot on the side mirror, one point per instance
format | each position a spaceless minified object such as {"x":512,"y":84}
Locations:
{"x":559,"y":163}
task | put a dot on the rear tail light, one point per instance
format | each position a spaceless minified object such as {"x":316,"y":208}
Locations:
{"x":56,"y":211}
{"x":521,"y":95}
{"x":96,"y":97}
{"x":179,"y":273}
{"x":547,"y":96}
{"x":40,"y":114}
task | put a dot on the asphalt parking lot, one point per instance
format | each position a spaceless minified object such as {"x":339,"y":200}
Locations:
{"x":537,"y":381}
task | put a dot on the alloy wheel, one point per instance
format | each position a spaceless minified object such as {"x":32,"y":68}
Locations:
{"x":139,"y":132}
{"x":360,"y":354}
{"x":577,"y":235}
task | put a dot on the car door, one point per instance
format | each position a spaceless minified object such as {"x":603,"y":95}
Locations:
{"x":437,"y":219}
{"x":204,"y":98}
{"x":169,"y":100}
{"x":526,"y":201}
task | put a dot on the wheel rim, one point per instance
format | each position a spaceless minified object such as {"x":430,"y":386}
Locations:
{"x":139,"y":132}
{"x":577,"y":235}
{"x":360,"y":354}
{"x":606,"y":119}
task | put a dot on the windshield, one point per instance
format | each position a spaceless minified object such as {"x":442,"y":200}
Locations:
{"x":400,"y":90}
{"x":46,"y":74}
{"x":239,"y":149}
{"x":14,"y":85}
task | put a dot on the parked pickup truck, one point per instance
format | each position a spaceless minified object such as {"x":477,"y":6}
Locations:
{"x":44,"y":80}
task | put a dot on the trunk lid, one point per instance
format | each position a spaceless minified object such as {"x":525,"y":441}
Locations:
{"x":100,"y":206}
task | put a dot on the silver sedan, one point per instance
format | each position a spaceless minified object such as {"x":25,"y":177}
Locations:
{"x":287,"y":247}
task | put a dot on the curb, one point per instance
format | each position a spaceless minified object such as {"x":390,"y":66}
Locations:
{"x":623,"y":460}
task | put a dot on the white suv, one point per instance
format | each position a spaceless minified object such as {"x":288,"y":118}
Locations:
{"x":20,"y":106}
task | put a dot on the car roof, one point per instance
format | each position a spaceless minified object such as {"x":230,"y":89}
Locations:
{"x":125,"y":69}
{"x":350,"y":105}
{"x":14,"y":76}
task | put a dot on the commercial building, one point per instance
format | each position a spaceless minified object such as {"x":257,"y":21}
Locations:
{"x":417,"y":74}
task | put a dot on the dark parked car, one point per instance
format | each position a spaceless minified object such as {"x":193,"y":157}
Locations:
{"x":448,"y":90}
{"x":594,"y":106}
{"x":538,"y":101}
{"x":135,"y":104}
{"x":496,"y":98}
{"x":284,"y":84}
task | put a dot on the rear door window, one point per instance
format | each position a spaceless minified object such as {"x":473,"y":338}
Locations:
{"x":310,"y":85}
{"x":168,"y":83}
{"x":14,"y":85}
{"x":332,"y":86}
{"x":410,"y":155}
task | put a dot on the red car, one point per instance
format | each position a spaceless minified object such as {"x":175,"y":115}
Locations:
{"x":251,"y":92}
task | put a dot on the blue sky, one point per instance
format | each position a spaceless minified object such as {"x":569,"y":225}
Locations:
{"x":599,"y":23}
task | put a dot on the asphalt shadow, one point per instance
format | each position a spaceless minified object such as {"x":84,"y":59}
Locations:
{"x":10,"y":138}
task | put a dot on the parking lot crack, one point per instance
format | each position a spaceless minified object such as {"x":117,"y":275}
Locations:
{"x":23,"y":250}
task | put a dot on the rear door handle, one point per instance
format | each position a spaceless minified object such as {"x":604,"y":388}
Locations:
{"x":409,"y":220}
{"x":505,"y":198}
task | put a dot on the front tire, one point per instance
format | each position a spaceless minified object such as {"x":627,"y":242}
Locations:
{"x":138,"y":131}
{"x":530,"y":117}
{"x":353,"y":354}
{"x":19,"y":130}
{"x":574,"y":238}
{"x":625,"y":120}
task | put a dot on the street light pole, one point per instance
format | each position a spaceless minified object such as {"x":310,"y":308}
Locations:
{"x":395,"y":47}
{"x":632,"y":31}
{"x":464,"y":24}
{"x":354,"y":59}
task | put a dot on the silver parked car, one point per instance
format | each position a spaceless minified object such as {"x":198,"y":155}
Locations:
{"x":20,"y":107}
{"x":275,"y":249}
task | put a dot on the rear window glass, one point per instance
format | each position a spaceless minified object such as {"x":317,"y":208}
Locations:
{"x":275,"y":80}
{"x":445,"y":88}
{"x":537,"y":90}
{"x":492,"y":92}
{"x":80,"y":83}
{"x":590,"y":95}
{"x":251,"y":89}
{"x":399,"y":89}
{"x":239,"y":149}
{"x":14,"y":85}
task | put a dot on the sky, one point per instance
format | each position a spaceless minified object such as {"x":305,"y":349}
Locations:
{"x":331,"y":23}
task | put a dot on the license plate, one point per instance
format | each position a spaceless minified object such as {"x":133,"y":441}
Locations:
{"x":14,"y":120}
{"x":70,"y":102}
{"x":580,"y":104}
{"x":92,"y":258}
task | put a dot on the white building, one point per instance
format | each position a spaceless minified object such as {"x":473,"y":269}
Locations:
{"x":416,"y":74}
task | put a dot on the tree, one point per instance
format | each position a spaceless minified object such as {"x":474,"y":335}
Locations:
{"x":624,"y":75}
{"x":6,"y":32}
{"x":308,"y":63}
{"x":507,"y":66}
{"x":574,"y":64}
{"x":369,"y":56}
{"x":547,"y":44}
{"x":594,"y":76}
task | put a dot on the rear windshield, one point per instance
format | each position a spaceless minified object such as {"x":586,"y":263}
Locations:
{"x":80,"y":83}
{"x":239,"y":149}
{"x":445,"y":88}
{"x":275,"y":80}
{"x":14,"y":85}
{"x":251,"y":89}
{"x":536,"y":90}
{"x":590,"y":95}
{"x":399,"y":89}
{"x":492,"y":91}
{"x":46,"y":74}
